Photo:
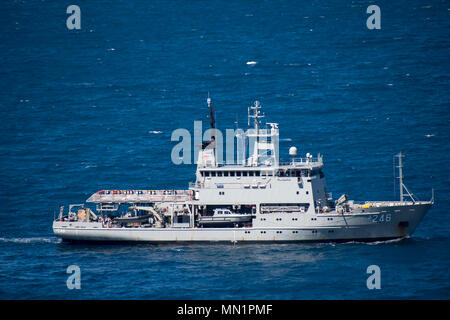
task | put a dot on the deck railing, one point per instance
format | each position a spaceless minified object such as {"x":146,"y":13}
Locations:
{"x":139,"y":196}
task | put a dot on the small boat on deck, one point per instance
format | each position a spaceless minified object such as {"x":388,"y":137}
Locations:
{"x":224,"y":217}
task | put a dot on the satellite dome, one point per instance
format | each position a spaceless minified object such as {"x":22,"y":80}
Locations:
{"x":292,"y":151}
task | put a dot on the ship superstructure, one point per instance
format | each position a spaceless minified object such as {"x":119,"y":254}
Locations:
{"x":258,"y":198}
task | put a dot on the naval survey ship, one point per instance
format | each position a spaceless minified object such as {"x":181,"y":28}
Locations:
{"x":258,"y":199}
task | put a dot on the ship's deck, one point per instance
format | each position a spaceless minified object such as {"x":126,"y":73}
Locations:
{"x":139,"y":196}
{"x":297,"y":163}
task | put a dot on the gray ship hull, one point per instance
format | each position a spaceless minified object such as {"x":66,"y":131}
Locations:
{"x":376,"y":223}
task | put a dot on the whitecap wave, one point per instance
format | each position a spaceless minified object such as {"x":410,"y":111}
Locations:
{"x":372,"y":243}
{"x":155,"y":132}
{"x":31,"y":240}
{"x":386,"y":241}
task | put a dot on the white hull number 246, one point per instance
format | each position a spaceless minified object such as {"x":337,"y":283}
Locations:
{"x":381,"y":218}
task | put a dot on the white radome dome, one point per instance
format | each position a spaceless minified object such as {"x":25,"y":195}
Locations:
{"x":292,"y":151}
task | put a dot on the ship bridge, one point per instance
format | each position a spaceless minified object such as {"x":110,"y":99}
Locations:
{"x":295,"y":168}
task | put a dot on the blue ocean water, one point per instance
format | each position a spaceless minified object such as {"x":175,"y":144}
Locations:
{"x":91,"y":109}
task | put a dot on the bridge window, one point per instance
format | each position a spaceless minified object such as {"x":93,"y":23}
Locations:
{"x":244,"y":173}
{"x":219,"y":173}
{"x":251,"y":173}
{"x":225,"y":173}
{"x":238,"y":173}
{"x":231,"y":173}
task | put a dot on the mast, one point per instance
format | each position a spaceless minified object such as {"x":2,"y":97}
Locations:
{"x":207,"y":154}
{"x":400,"y":174}
{"x":255,"y":113}
{"x":212,"y":120}
{"x":400,"y":177}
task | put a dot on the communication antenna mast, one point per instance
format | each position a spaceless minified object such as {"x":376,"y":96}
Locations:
{"x":255,"y":113}
{"x":212,"y":121}
{"x":400,"y":177}
{"x":395,"y":178}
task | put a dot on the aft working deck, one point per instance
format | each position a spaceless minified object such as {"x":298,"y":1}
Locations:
{"x":139,"y":196}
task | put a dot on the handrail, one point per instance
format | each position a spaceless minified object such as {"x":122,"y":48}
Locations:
{"x":140,"y":192}
{"x":228,"y":185}
{"x":139,"y":195}
{"x":302,"y":161}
